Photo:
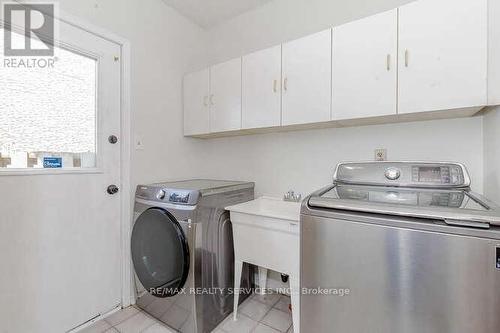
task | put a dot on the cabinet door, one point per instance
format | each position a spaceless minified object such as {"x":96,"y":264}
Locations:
{"x":262,"y":89}
{"x":307,"y":78}
{"x":225,"y":96}
{"x":196,"y":111}
{"x":365,"y":67}
{"x":443,"y":55}
{"x":493,"y":53}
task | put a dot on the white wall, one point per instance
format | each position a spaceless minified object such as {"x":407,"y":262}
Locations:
{"x":304,"y":160}
{"x":492,"y":154}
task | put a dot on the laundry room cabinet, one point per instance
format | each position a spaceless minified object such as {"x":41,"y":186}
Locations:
{"x":493,"y":52}
{"x":365,"y":67}
{"x":261,"y":89}
{"x":425,"y":60}
{"x":307,"y":77}
{"x":196,"y":103}
{"x":225,"y":96}
{"x":443,"y":52}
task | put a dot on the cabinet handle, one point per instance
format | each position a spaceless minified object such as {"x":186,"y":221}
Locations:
{"x":275,"y":86}
{"x":212,"y":99}
{"x":388,"y":62}
{"x":285,"y":84}
{"x":205,"y":101}
{"x":407,"y":58}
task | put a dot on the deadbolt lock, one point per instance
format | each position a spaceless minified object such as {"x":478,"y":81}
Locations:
{"x":113,"y":139}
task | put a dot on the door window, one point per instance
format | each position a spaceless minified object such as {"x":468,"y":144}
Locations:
{"x":48,"y":110}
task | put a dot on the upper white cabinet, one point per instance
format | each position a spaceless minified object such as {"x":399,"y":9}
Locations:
{"x":262,"y":89}
{"x":225,"y":96}
{"x":365,"y":67}
{"x":307,"y":79}
{"x":196,"y":103}
{"x":493,"y":52}
{"x":428,"y":55}
{"x":442,"y":55}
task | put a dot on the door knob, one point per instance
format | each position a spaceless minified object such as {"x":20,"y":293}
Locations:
{"x":112,"y":189}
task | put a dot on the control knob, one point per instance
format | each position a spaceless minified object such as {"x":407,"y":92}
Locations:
{"x":161,"y":194}
{"x":392,"y":173}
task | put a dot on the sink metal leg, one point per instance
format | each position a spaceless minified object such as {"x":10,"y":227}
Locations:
{"x":238,"y":267}
{"x":262,"y":280}
{"x":295,"y":295}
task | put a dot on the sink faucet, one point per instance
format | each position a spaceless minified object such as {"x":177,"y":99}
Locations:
{"x":292,"y":196}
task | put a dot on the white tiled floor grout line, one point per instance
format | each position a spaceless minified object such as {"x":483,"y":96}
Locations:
{"x":139,"y":311}
{"x":154,"y":323}
{"x":119,"y":318}
{"x":272,"y":306}
{"x":259,"y":322}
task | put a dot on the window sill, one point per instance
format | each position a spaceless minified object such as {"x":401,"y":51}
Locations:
{"x":35,"y":172}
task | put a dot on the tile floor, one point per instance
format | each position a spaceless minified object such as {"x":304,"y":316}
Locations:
{"x":258,"y":314}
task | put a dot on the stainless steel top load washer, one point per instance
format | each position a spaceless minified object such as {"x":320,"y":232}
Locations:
{"x":400,"y":247}
{"x":182,"y":251}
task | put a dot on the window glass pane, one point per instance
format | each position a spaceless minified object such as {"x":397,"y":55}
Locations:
{"x":47,"y":113}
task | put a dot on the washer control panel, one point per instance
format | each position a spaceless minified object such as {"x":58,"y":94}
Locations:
{"x":408,"y":174}
{"x":179,"y":197}
{"x":166,"y":195}
{"x":444,"y":175}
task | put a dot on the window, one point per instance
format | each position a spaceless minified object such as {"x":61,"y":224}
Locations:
{"x":48,"y":112}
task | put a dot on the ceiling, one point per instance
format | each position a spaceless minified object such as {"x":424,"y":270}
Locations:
{"x":208,"y":13}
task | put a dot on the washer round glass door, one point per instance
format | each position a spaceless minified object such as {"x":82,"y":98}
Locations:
{"x":160,"y":252}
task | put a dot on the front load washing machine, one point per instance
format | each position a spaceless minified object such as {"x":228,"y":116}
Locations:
{"x":182,"y":252}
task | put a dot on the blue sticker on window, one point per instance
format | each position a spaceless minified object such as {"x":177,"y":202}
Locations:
{"x":52,"y":162}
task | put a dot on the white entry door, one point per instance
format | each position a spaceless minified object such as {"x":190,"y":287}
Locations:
{"x":60,"y":239}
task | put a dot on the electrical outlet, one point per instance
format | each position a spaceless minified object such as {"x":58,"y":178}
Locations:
{"x":381,"y":154}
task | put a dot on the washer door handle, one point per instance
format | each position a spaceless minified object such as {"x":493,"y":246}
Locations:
{"x":112,"y":189}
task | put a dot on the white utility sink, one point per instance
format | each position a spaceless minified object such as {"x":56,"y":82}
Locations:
{"x":269,"y":207}
{"x":266,"y":234}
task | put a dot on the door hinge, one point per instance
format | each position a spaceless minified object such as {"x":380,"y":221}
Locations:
{"x":117,"y":58}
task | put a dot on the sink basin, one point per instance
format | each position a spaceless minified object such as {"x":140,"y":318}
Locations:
{"x":269,"y":207}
